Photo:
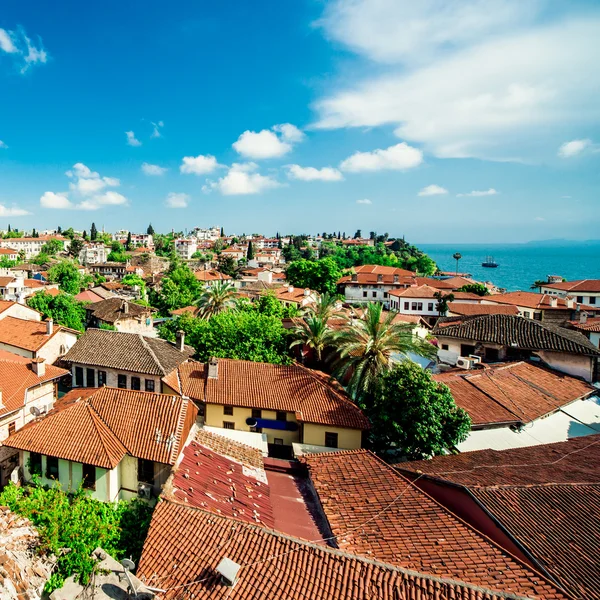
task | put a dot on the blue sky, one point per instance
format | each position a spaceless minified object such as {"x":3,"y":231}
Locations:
{"x":442,"y":120}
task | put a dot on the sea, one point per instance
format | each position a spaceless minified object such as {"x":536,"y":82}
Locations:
{"x":519,"y":265}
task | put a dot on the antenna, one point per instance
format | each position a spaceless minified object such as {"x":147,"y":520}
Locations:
{"x":35,"y":411}
{"x":129,"y":565}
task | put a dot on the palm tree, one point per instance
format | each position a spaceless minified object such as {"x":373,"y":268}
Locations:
{"x":324,"y":308}
{"x":217,"y":298}
{"x":537,"y":284}
{"x":365,"y":347}
{"x":313,"y":332}
{"x":457,"y":256}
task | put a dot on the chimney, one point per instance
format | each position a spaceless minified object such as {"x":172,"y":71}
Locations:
{"x":49,"y":326}
{"x":125,"y":307}
{"x":583,"y":317}
{"x":553,"y":302}
{"x":180,"y":340}
{"x":213,"y":368}
{"x":291,"y":289}
{"x":570,"y":303}
{"x":306,"y":292}
{"x":354,"y":277}
{"x":38,"y":366}
{"x":396,"y":278}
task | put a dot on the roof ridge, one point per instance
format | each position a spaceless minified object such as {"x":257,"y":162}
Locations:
{"x":95,"y":416}
{"x":183,"y":409}
{"x":359,"y":558}
{"x":152,"y":354}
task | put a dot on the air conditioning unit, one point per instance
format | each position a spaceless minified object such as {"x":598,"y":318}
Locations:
{"x":476,"y":359}
{"x":144,"y":490}
{"x":464,"y":363}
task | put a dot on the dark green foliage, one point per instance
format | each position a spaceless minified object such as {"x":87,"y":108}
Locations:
{"x":250,"y":253}
{"x":62,"y":309}
{"x":81,"y":523}
{"x":442,"y":302}
{"x":117,"y":257}
{"x":412,"y":413}
{"x":150,"y":230}
{"x":93,"y":232}
{"x":75,"y":247}
{"x":475,"y":288}
{"x":52,"y":247}
{"x":128,"y":243}
{"x":321,"y":275}
{"x":66,"y":274}
{"x":179,"y":288}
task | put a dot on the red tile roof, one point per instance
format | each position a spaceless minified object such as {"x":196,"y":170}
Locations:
{"x":208,"y":479}
{"x":580,"y":286}
{"x":468,"y":309}
{"x":28,"y":335}
{"x":88,"y":296}
{"x":515,"y":392}
{"x":296,"y":295}
{"x":211,"y":275}
{"x":313,"y":396}
{"x":530,"y":300}
{"x":376,"y":512}
{"x":589,"y":325}
{"x":113,"y":422}
{"x":276,"y":565}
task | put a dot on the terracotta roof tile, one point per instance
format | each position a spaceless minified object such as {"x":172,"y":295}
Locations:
{"x":112,"y":310}
{"x":389,"y":519}
{"x":113,"y":422}
{"x":528,"y":334}
{"x":88,"y":296}
{"x":312,"y":395}
{"x":589,"y":325}
{"x":211,"y":275}
{"x":530,"y":300}
{"x":127,"y":352}
{"x":275,"y":565}
{"x":21,"y":333}
{"x":468,"y":309}
{"x":580,"y":285}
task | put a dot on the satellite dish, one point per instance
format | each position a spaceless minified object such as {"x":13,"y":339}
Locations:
{"x":128,"y":565}
{"x":35,"y":411}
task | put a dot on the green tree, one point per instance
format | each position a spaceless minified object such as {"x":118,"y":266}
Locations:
{"x":75,"y":247}
{"x":229,"y":266}
{"x":537,"y":284}
{"x":150,"y":230}
{"x":66,"y":274}
{"x":52,"y":247}
{"x":93,"y":232}
{"x":365,"y":348}
{"x":415,"y":415}
{"x":63,"y":309}
{"x":134,"y":280}
{"x":250,"y":252}
{"x":321,"y":275}
{"x":442,"y":302}
{"x":475,"y":288}
{"x":217,"y":298}
{"x":358,"y":234}
{"x":128,"y":243}
{"x":314,"y":333}
{"x":179,"y":288}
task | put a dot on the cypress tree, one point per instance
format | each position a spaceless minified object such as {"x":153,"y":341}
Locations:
{"x":93,"y":232}
{"x":250,"y":253}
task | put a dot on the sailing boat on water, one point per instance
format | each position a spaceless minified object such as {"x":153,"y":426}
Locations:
{"x":489,"y":263}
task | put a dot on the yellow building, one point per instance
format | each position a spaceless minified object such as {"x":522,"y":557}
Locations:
{"x":287,"y":403}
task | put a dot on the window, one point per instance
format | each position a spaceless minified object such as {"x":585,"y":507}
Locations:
{"x":406,"y":306}
{"x":228,"y":410}
{"x":35,"y":463}
{"x":122,"y":381}
{"x":444,"y":346}
{"x":419,"y":306}
{"x":365,"y":294}
{"x":430,"y":307}
{"x":592,"y":300}
{"x":580,"y":299}
{"x":331,"y":439}
{"x":90,"y":377}
{"x":278,"y":441}
{"x":135,"y":383}
{"x":145,"y":471}
{"x":89,"y":477}
{"x":51,"y":467}
{"x":281,"y":415}
{"x":228,"y":425}
{"x":527,"y":314}
{"x":12,"y":427}
{"x":385,"y":294}
{"x":101,"y":378}
{"x":374,"y":294}
{"x":79,"y":376}
{"x":256,"y":413}
{"x":149,"y":385}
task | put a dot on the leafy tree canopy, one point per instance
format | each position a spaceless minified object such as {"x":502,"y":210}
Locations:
{"x":321,"y":275}
{"x":179,"y":288}
{"x":66,"y":274}
{"x":414,"y":414}
{"x":475,"y":288}
{"x":62,"y":309}
{"x":53,"y":247}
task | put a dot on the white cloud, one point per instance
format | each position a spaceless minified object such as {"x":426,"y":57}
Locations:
{"x":25,"y":53}
{"x":365,"y":201}
{"x":573,"y":148}
{"x":242,"y":180}
{"x":86,"y":186}
{"x":198,"y":165}
{"x":156,"y":127}
{"x":177,"y":200}
{"x":6,"y":211}
{"x":313,"y":174}
{"x":475,"y":193}
{"x":3,"y":145}
{"x":399,"y":157}
{"x":433,"y":190}
{"x":131,"y":139}
{"x":149,"y":169}
{"x":289,"y":133}
{"x":466,"y":78}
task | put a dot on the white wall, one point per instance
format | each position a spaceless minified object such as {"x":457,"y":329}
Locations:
{"x":60,"y":343}
{"x":572,"y":364}
{"x":112,"y":377}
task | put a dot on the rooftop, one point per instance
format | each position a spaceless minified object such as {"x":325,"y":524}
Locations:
{"x":478,"y":309}
{"x":531,"y":300}
{"x":112,"y":310}
{"x":113,"y":422}
{"x":509,"y":330}
{"x":126,"y":352}
{"x":312,"y":395}
{"x":211,"y":275}
{"x":578,"y":286}
{"x":27,"y":335}
{"x":590,"y":325}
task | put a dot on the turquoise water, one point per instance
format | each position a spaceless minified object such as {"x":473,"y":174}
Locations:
{"x":519,"y":264}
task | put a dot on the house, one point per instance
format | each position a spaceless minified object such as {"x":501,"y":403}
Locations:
{"x":122,"y":315}
{"x":372,"y":283}
{"x":209,"y":275}
{"x":539,"y":502}
{"x":464,"y":309}
{"x":521,"y":404}
{"x":212,"y":233}
{"x":115,"y":270}
{"x":292,"y":296}
{"x":541,"y":307}
{"x":507,"y":337}
{"x":588,"y":327}
{"x":28,"y":387}
{"x":124,"y":360}
{"x":288,"y":403}
{"x":16,"y":289}
{"x":19,"y":311}
{"x":186,"y":247}
{"x":88,"y":296}
{"x":118,"y":444}
{"x":34,"y":339}
{"x":137,"y":239}
{"x":585,"y":291}
{"x":94,"y":253}
{"x":32,"y":246}
{"x":9,"y":254}
{"x":375,"y":512}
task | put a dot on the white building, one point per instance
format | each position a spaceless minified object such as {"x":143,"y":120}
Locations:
{"x":584,"y":291}
{"x":94,"y":253}
{"x":186,"y":247}
{"x":9,"y":254}
{"x":372,"y":283}
{"x":137,"y":239}
{"x":32,"y":246}
{"x":210,"y":234}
